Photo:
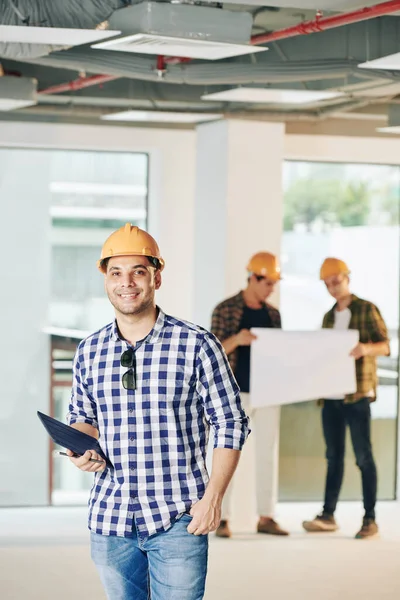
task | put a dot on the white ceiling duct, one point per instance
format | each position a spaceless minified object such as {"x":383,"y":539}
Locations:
{"x":156,"y":116}
{"x":49,"y":24}
{"x":53,"y":36}
{"x":191,"y":31}
{"x":390,"y":63}
{"x":17,"y":92}
{"x":42,"y":40}
{"x":143,"y":43}
{"x":272,"y":96}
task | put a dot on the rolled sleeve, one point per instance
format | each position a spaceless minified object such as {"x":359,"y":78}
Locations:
{"x":376,"y":325}
{"x":82,"y":407}
{"x":220,"y":394}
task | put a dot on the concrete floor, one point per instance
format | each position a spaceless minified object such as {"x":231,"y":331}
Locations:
{"x":44,"y":555}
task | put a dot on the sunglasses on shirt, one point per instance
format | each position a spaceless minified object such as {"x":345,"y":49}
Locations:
{"x":128,"y":361}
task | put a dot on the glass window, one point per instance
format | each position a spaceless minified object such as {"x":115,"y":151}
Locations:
{"x":92,"y":194}
{"x":349,"y":211}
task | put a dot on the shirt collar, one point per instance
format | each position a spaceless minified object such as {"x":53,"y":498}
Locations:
{"x":351,"y":306}
{"x":153,"y":336}
{"x":242,"y":304}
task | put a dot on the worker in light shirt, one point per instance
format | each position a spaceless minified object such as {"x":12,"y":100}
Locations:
{"x":353,"y":410}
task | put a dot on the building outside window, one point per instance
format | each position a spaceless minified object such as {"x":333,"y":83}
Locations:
{"x":349,"y":211}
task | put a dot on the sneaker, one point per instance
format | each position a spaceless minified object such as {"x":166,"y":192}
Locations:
{"x":368,"y":531}
{"x":223,"y":530}
{"x":322,"y":522}
{"x":268,"y":525}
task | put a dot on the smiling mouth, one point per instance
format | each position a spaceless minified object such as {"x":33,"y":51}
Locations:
{"x":129,"y":296}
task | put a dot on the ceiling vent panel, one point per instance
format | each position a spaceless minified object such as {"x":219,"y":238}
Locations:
{"x":143,"y":43}
{"x":181,"y":30}
{"x":55,"y":36}
{"x":387,"y":63}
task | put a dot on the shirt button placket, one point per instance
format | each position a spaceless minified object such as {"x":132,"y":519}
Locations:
{"x":132,"y":468}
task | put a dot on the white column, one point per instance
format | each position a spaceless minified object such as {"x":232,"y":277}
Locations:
{"x":24,"y":349}
{"x":171,"y":221}
{"x":238,"y":212}
{"x":238,"y":205}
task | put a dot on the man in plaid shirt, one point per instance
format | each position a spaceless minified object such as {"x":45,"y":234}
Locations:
{"x":149,"y":387}
{"x":231,"y":323}
{"x":350,"y":312}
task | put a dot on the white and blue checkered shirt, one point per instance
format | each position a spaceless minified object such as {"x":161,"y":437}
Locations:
{"x":156,"y":435}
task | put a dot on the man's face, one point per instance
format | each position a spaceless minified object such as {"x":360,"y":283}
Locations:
{"x":130,"y":283}
{"x":263,"y":287}
{"x":337,"y":286}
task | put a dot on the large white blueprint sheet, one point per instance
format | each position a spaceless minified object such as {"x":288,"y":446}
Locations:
{"x":294,"y":366}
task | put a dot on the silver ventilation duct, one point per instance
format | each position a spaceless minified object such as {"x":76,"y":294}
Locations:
{"x":132,"y":67}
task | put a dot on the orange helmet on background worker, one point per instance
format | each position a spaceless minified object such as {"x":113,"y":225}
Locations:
{"x":333,"y":266}
{"x":129,"y":240}
{"x":265,"y":264}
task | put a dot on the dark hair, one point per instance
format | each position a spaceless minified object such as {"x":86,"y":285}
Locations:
{"x":258,"y":277}
{"x":154,"y":261}
{"x":104,"y":264}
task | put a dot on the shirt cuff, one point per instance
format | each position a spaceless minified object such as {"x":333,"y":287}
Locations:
{"x":72,"y":419}
{"x":232,"y":439}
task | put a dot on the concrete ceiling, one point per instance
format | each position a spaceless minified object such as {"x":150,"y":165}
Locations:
{"x":326,"y":60}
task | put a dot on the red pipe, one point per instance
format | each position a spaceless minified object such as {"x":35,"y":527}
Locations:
{"x":160,"y":63}
{"x":175,"y":60}
{"x":323,"y":23}
{"x":78,"y":84}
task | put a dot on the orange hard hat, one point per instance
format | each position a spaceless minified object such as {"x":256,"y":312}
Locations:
{"x":265,"y":264}
{"x":333,"y":266}
{"x":129,"y":240}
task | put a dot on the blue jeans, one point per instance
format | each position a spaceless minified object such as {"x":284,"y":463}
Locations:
{"x":336,"y":415}
{"x":171,"y":565}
